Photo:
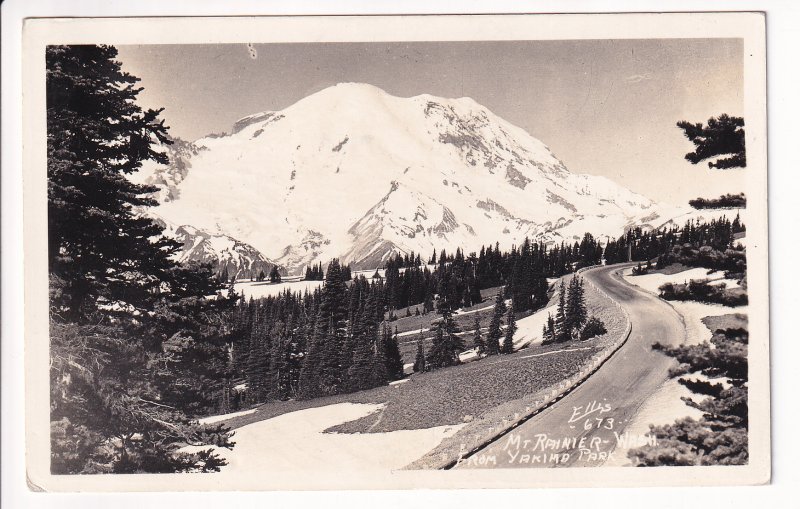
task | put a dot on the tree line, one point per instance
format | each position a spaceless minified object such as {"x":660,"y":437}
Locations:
{"x":725,"y":201}
{"x":697,"y":244}
{"x":330,"y":341}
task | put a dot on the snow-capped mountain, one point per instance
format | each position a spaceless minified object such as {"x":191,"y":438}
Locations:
{"x":356,"y":173}
{"x":225,"y":254}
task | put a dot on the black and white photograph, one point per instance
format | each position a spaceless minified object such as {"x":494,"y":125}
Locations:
{"x":303,"y":253}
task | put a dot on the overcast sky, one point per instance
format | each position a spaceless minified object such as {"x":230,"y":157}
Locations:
{"x":604,"y":107}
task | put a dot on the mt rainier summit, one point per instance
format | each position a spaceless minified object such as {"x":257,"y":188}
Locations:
{"x":356,"y":173}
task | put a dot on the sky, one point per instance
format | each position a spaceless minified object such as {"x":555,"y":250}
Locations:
{"x":604,"y":107}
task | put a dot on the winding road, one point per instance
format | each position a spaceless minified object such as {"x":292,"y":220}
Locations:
{"x":583,"y":428}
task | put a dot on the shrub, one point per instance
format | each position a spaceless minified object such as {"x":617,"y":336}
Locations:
{"x":594,"y":327}
{"x":702,"y":291}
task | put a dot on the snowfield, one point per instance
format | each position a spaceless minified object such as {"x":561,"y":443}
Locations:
{"x":651,"y":282}
{"x":259,"y":289}
{"x":296,"y":443}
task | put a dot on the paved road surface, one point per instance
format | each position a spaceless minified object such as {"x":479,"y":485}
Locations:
{"x":581,"y":429}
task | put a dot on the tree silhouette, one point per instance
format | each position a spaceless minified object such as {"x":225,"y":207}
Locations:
{"x":723,"y":136}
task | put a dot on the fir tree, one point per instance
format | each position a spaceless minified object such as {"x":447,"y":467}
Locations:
{"x":446,"y":344}
{"x":379,"y":373}
{"x":110,"y":368}
{"x":511,"y":329}
{"x":274,"y":275}
{"x":495,"y":332}
{"x":575,"y":307}
{"x":723,"y":136}
{"x":562,"y":330}
{"x":308,"y":383}
{"x":477,"y":339}
{"x":360,"y":375}
{"x":96,"y":135}
{"x":394,"y":361}
{"x":419,"y":360}
{"x":549,"y":330}
{"x":258,"y":365}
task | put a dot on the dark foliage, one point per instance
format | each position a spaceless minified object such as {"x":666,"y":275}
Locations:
{"x":719,"y":437}
{"x":725,"y":201}
{"x":703,"y":291}
{"x":446,"y":344}
{"x":495,"y":326}
{"x":722,"y":136}
{"x":594,"y":327}
{"x":511,"y":329}
{"x":697,"y":244}
{"x":137,"y":349}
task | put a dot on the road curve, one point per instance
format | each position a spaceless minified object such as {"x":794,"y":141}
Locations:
{"x":583,"y":428}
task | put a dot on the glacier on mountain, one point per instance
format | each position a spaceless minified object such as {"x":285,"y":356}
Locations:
{"x":356,"y":173}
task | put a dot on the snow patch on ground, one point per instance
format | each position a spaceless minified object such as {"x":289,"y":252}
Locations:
{"x":693,"y":314}
{"x":296,"y":442}
{"x":651,"y":282}
{"x":412,"y":332}
{"x":259,"y":289}
{"x":664,"y":407}
{"x":459,"y":312}
{"x":224,"y":417}
{"x":529,"y":329}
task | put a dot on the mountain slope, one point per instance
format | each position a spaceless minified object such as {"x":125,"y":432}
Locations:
{"x":225,"y":254}
{"x":354,"y":172}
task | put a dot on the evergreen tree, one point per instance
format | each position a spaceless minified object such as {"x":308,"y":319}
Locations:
{"x":549,"y":330}
{"x":394,"y":361}
{"x":575,"y":307}
{"x":477,"y":339}
{"x":360,"y":373}
{"x":98,"y":247}
{"x":110,"y":368}
{"x":427,"y":305}
{"x":258,"y":365}
{"x":511,"y":329}
{"x":723,"y":136}
{"x":331,"y":320}
{"x":309,"y":382}
{"x":495,"y":332}
{"x":562,"y":326}
{"x":419,"y":360}
{"x":274,"y":275}
{"x":380,"y":376}
{"x":446,"y":344}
